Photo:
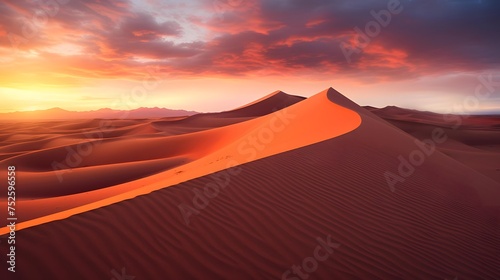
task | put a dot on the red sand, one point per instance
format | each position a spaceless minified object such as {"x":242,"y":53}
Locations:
{"x":318,"y":177}
{"x":472,"y":140}
{"x":95,"y":182}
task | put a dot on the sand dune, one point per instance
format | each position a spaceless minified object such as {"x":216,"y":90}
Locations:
{"x":266,"y":105}
{"x":472,"y":140}
{"x":450,"y":120}
{"x":106,"y":113}
{"x":321,"y":176}
{"x":234,"y":145}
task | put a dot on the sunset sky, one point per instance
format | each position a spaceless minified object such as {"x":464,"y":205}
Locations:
{"x":212,"y":55}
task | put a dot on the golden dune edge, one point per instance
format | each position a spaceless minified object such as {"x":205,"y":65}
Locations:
{"x":297,"y":126}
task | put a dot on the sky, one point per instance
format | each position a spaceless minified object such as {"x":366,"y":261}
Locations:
{"x":214,"y":55}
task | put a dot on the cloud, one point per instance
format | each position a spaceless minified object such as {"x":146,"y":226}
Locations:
{"x":119,"y":38}
{"x":426,"y":38}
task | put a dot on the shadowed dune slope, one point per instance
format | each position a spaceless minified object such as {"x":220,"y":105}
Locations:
{"x":472,"y":140}
{"x":442,"y":222}
{"x":266,"y":105}
{"x":449,"y":120}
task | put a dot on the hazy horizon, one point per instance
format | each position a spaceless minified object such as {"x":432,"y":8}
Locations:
{"x":159,"y":107}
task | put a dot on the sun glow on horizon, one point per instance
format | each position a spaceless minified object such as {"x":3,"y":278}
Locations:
{"x":214,"y":95}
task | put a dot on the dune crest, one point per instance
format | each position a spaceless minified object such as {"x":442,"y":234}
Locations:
{"x":315,"y":119}
{"x":268,"y":104}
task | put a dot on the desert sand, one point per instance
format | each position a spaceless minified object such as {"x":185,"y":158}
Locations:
{"x":247,"y":193}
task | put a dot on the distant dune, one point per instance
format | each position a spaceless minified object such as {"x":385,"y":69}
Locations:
{"x":472,"y":140}
{"x":116,"y":155}
{"x":271,"y":103}
{"x":61,"y":114}
{"x":253,"y":193}
{"x":414,"y":116}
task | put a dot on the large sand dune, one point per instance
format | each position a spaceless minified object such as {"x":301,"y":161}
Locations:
{"x":94,"y":182}
{"x":320,"y":175}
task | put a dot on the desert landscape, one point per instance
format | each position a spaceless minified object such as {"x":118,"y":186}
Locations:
{"x":282,"y":188}
{"x":238,"y":139}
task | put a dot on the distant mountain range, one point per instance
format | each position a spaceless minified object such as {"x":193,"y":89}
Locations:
{"x":147,"y":113}
{"x":106,"y":113}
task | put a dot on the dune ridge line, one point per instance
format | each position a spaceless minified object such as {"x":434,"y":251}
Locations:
{"x":308,"y":118}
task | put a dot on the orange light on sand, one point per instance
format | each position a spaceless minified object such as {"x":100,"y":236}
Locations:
{"x":299,"y":125}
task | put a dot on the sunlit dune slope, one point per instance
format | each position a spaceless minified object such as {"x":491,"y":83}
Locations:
{"x":85,"y":187}
{"x":442,"y":222}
